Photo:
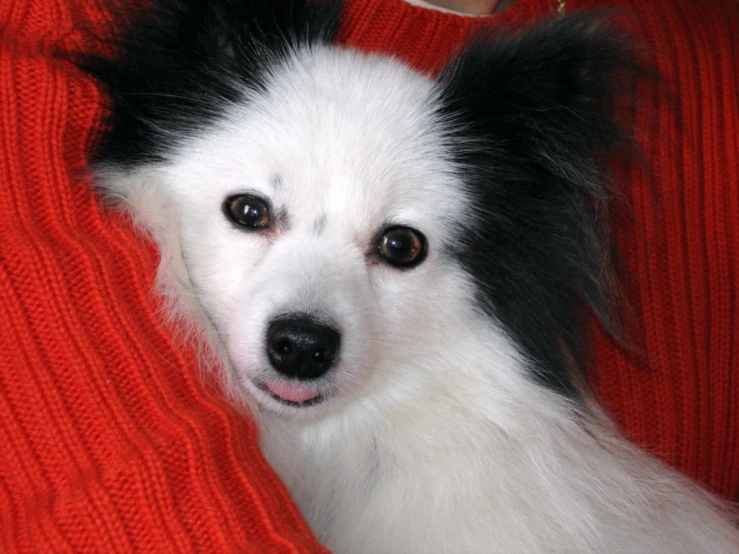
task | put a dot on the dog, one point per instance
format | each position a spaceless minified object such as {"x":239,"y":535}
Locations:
{"x":395,"y":271}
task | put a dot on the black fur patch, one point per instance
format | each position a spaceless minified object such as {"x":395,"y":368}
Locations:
{"x":180,"y":64}
{"x":534,"y":128}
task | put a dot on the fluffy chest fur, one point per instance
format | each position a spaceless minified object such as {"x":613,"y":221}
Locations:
{"x":441,"y":476}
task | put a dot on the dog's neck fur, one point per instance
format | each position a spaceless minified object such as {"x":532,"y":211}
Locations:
{"x":382,"y":475}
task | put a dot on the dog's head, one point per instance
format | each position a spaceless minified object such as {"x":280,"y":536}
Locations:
{"x":348,"y":225}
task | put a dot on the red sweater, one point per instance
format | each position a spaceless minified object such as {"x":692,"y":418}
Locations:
{"x":109,"y":442}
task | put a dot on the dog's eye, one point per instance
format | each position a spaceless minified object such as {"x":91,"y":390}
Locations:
{"x":247,"y":211}
{"x":402,"y":247}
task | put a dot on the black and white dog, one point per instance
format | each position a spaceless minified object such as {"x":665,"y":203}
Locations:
{"x":394,"y":271}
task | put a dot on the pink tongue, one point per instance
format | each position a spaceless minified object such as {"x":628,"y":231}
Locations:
{"x":291,"y":392}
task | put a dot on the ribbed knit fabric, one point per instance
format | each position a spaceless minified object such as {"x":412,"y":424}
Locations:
{"x":109,"y":441}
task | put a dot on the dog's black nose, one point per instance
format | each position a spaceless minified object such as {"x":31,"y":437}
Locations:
{"x":299,"y":346}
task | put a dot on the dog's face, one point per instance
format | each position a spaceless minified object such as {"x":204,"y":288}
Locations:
{"x":350,"y":228}
{"x":317,"y":225}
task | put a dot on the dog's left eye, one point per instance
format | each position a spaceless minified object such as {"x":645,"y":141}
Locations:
{"x":402,"y":247}
{"x":247,"y":211}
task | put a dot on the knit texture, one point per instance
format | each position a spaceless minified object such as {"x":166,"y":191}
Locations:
{"x":109,"y":439}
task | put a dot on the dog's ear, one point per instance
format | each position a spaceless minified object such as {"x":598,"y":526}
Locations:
{"x":241,"y":31}
{"x":534,"y":126}
{"x":177,"y":63}
{"x":548,"y":91}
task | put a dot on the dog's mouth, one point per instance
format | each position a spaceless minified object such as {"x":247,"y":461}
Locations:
{"x":296,"y":395}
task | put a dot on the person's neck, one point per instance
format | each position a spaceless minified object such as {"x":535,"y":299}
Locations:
{"x":465,"y":7}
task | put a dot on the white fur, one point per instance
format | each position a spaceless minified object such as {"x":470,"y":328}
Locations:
{"x":435,"y":438}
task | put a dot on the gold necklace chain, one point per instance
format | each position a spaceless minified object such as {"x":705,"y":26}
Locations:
{"x":561,"y":7}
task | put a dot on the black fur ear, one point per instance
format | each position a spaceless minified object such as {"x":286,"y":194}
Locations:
{"x":179,"y":63}
{"x":533,"y":119}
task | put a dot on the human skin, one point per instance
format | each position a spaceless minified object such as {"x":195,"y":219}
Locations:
{"x":469,"y":7}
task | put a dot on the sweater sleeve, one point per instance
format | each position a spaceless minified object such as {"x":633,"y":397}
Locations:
{"x":109,"y":439}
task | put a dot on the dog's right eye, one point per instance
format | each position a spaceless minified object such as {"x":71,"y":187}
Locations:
{"x":247,"y":211}
{"x":402,"y":247}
